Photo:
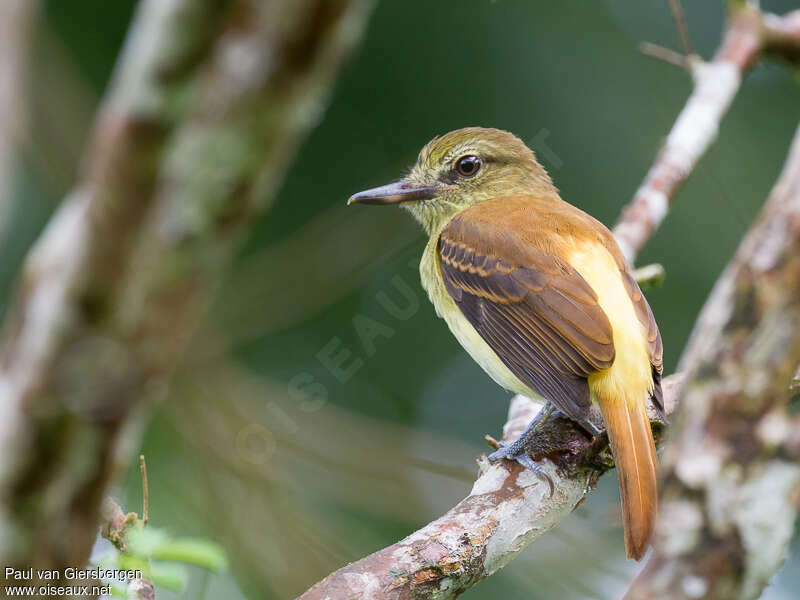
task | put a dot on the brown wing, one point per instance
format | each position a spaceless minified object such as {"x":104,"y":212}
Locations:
{"x":640,"y":305}
{"x":534,"y":310}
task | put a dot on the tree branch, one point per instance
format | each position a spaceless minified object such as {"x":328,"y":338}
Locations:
{"x":114,"y":526}
{"x":749,"y":34}
{"x":207,"y":105}
{"x":508,"y":508}
{"x":16,"y":22}
{"x":730,"y":480}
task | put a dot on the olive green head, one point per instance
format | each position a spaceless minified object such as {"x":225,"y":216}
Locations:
{"x":461,"y":169}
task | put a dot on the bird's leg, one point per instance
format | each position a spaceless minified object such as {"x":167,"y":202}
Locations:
{"x":518,"y":449}
{"x":519,"y":445}
{"x":585,"y":423}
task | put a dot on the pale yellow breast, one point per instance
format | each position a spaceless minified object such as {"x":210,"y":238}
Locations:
{"x":461,"y":328}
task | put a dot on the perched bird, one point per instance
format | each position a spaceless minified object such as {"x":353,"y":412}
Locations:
{"x":539,"y":294}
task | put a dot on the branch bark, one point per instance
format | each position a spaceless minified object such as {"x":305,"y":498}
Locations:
{"x":114,"y":526}
{"x":730,"y":479}
{"x":508,"y":508}
{"x":16,"y":23}
{"x":207,"y":105}
{"x":749,"y":34}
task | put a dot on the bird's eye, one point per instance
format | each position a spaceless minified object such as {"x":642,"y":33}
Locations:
{"x":468,"y":165}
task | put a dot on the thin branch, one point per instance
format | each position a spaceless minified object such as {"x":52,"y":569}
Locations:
{"x":782,"y":36}
{"x":664,"y":54}
{"x":749,"y":34}
{"x":648,"y":276}
{"x":114,"y":526}
{"x":676,"y":8}
{"x":508,"y":509}
{"x":145,"y":490}
{"x":730,"y":483}
{"x":16,"y":23}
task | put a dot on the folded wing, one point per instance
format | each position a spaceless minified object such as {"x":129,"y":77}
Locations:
{"x":533,"y":309}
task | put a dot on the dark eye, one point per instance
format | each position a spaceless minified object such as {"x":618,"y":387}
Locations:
{"x":467,"y":166}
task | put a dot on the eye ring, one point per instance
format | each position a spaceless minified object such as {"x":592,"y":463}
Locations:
{"x":468,"y":165}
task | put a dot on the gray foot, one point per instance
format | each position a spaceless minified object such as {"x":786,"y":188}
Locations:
{"x":518,"y":451}
{"x":508,"y":452}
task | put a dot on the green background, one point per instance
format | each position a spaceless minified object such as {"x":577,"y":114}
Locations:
{"x":296,"y":470}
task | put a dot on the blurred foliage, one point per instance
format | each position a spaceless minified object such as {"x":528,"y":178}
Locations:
{"x":162,"y":559}
{"x":297,"y":467}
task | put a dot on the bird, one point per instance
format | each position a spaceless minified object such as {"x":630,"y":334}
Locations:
{"x":540,"y":295}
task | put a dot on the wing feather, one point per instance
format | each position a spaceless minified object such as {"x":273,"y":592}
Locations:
{"x":540,"y":317}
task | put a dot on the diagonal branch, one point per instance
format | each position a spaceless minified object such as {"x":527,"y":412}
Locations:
{"x":16,"y":22}
{"x":731,"y":477}
{"x":679,"y":16}
{"x":508,"y":509}
{"x":749,"y":34}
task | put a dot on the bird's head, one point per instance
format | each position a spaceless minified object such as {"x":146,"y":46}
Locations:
{"x":461,"y":169}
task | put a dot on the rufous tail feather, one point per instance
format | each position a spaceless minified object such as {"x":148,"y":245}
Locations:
{"x":635,"y":457}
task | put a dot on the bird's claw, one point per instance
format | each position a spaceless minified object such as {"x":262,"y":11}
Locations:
{"x":509,"y":452}
{"x":500,"y":453}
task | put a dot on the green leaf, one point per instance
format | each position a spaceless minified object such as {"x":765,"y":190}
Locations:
{"x":132,"y":562}
{"x":168,"y":576}
{"x":142,"y":541}
{"x":202,"y":553}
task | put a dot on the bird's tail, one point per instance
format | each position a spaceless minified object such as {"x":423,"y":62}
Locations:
{"x":635,"y":457}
